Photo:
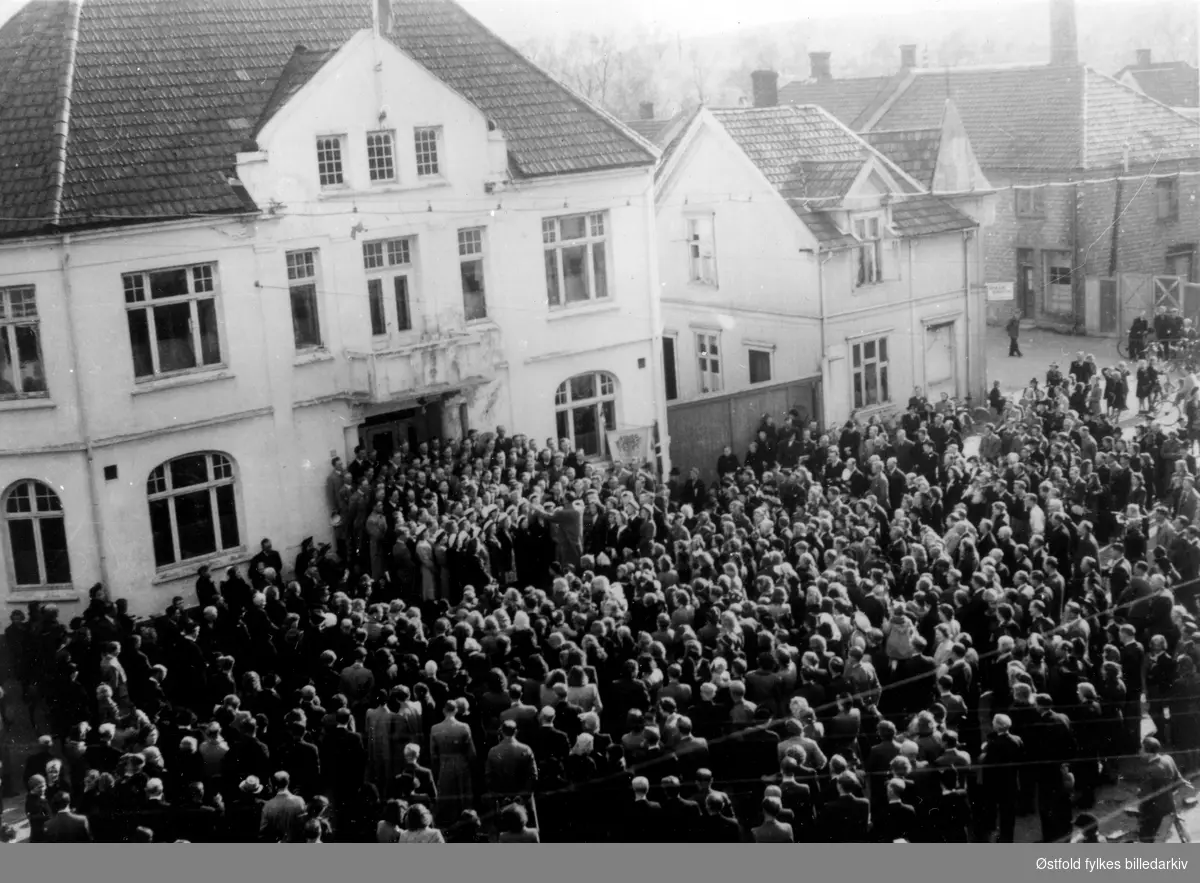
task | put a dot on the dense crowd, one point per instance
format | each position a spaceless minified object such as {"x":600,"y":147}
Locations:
{"x":850,"y":635}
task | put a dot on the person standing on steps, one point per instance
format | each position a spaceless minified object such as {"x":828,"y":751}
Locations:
{"x":1014,"y":334}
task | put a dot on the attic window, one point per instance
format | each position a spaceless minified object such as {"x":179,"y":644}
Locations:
{"x":381,"y":160}
{"x":427,"y":141}
{"x":329,"y":161}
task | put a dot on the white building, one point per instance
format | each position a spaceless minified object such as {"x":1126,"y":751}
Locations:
{"x":335,"y":230}
{"x":801,"y":268}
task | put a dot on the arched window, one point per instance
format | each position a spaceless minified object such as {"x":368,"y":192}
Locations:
{"x":37,"y":536}
{"x":585,"y":406}
{"x":193,"y":510}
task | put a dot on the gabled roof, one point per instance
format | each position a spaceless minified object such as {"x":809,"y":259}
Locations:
{"x":925,"y":214}
{"x":845,"y":99}
{"x":651,"y":130}
{"x":1173,"y":83}
{"x":913,"y":150}
{"x":164,"y":93}
{"x":300,"y":68}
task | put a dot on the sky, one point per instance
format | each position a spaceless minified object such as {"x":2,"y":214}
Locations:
{"x":677,"y":16}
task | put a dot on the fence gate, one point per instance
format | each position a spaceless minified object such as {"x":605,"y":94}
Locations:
{"x":1168,"y":293}
{"x":1108,"y":306}
{"x":1191,"y":302}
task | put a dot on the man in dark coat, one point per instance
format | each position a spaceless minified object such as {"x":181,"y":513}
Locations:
{"x":1002,"y":756}
{"x":343,"y":760}
{"x":681,"y":817}
{"x":898,"y":820}
{"x":1014,"y":334}
{"x":65,"y":826}
{"x":645,"y":821}
{"x":847,"y":818}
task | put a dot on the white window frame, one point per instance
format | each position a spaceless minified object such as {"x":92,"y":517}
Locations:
{"x":221,"y":473}
{"x":702,"y":249}
{"x":710,"y":360}
{"x":868,"y":256}
{"x":18,"y":309}
{"x":594,"y":241}
{"x":879,"y":363}
{"x":472,"y":249}
{"x":381,"y":156}
{"x":769,"y":352}
{"x":303,"y":271}
{"x":204,"y":284}
{"x":37,"y":493}
{"x":428,"y":166}
{"x":331,"y":161}
{"x":605,"y":392}
{"x":385,"y":261}
{"x":1029,"y":202}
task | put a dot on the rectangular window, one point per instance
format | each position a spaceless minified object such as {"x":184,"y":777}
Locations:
{"x":869,"y":363}
{"x":709,"y":357}
{"x":1060,"y":276}
{"x":702,"y":266}
{"x":1167,"y":190}
{"x":174,"y":329}
{"x":302,"y":285}
{"x":576,"y":258}
{"x":670,"y":369}
{"x":1030,"y":202}
{"x":470,"y":263}
{"x":427,"y":142}
{"x":870,"y":252}
{"x":381,"y":160}
{"x":384,"y":260}
{"x":760,"y":366}
{"x":1180,"y":260}
{"x":329,"y":161}
{"x":21,"y":371}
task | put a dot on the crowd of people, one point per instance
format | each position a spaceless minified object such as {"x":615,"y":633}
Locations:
{"x":857,"y":634}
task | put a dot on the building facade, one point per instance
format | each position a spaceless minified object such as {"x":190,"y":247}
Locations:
{"x":397,"y":258}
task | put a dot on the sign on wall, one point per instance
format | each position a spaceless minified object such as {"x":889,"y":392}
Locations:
{"x":999,"y":291}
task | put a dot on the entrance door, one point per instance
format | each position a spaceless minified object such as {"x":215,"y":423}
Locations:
{"x":1025,"y":282}
{"x":382,"y":440}
{"x":940,"y":363}
{"x":1108,"y":306}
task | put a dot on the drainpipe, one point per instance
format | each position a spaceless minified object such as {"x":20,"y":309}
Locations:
{"x":823,"y":363}
{"x":966,"y":243}
{"x":81,"y":411}
{"x":912,"y":322}
{"x":657,"y":371}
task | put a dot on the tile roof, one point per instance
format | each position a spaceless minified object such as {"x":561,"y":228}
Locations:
{"x":1173,"y":83}
{"x":33,"y":55}
{"x":925,"y":214}
{"x":1026,"y":118}
{"x":300,"y":68}
{"x":913,"y":150}
{"x":166,"y":92}
{"x":845,"y":99}
{"x":651,"y":130}
{"x":1119,"y":117}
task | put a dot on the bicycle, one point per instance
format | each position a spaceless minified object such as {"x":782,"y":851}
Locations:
{"x":1133,"y":836}
{"x":1164,"y":408}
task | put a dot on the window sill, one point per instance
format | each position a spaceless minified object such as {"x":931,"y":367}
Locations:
{"x":37,"y":402}
{"x":44,"y":594}
{"x":145,"y":387}
{"x":176,"y":572}
{"x":587,"y":309}
{"x":382,"y":187}
{"x":315,"y":354}
{"x":871,"y":410}
{"x":484,"y":322}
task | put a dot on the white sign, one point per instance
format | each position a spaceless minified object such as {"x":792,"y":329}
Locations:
{"x":999,"y":291}
{"x":632,"y":447}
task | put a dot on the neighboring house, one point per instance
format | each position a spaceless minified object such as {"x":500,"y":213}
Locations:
{"x":1173,"y":83}
{"x":327,"y":224}
{"x":801,"y":268}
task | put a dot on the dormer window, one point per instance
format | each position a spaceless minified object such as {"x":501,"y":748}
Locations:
{"x":329,"y":161}
{"x":427,"y":142}
{"x":869,"y":253}
{"x":381,"y":156}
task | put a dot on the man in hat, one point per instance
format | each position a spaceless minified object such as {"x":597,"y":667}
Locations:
{"x":243,"y":812}
{"x":1014,"y":333}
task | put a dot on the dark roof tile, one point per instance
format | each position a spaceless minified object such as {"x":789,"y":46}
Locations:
{"x":913,"y":150}
{"x":1173,"y":83}
{"x":845,"y":99}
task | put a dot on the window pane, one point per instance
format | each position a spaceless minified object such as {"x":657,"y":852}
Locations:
{"x":575,"y":276}
{"x":173,"y":328}
{"x":160,"y":531}
{"x":884,"y":395}
{"x":194,"y":518}
{"x":54,"y":549}
{"x":29,"y":359}
{"x":600,"y":265}
{"x":608,"y":410}
{"x":870,"y":386}
{"x":19,"y":499}
{"x":168,"y":283}
{"x":474,"y":304}
{"x":306,"y":328}
{"x":8,"y":374}
{"x":858,"y":389}
{"x":587,"y":430}
{"x":760,"y":366}
{"x":378,"y":319}
{"x":24,"y":553}
{"x":563,"y":422}
{"x":210,"y":341}
{"x":139,"y":340}
{"x":583,"y":387}
{"x":869,"y":349}
{"x":403,"y":316}
{"x":573,"y":228}
{"x":856,"y":354}
{"x":883,"y":349}
{"x":227,"y":515}
{"x":189,"y":470}
{"x":552,"y":294}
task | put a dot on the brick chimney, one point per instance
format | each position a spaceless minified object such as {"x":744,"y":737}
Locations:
{"x":383,"y":16}
{"x":646,"y":110}
{"x":766,"y":88}
{"x":1064,"y":41}
{"x":819,"y":63}
{"x":1143,"y":58}
{"x":908,"y":56}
